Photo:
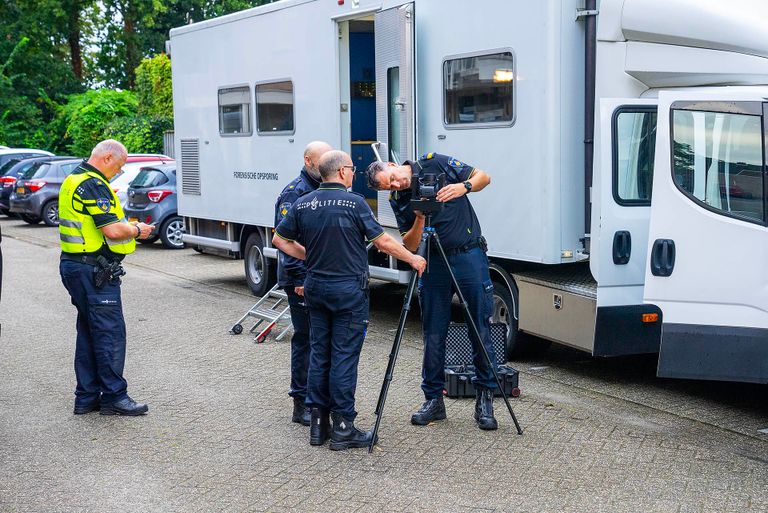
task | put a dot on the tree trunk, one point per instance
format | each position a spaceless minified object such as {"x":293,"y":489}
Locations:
{"x":73,"y":39}
{"x":130,"y":16}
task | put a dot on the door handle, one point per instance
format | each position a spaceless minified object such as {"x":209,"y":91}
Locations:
{"x":622,"y":247}
{"x":663,"y":257}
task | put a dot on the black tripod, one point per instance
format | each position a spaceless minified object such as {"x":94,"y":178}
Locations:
{"x":428,"y":234}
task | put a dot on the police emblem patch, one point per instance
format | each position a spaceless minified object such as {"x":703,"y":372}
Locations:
{"x":284,"y":208}
{"x":103,"y":204}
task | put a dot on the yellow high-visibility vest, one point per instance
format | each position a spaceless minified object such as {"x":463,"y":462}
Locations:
{"x":77,"y":230}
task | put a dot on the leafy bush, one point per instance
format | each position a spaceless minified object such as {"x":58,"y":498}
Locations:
{"x":140,"y":134}
{"x":83,"y":121}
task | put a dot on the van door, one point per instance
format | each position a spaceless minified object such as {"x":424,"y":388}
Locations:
{"x":395,"y":99}
{"x":708,"y":245}
{"x":621,"y":210}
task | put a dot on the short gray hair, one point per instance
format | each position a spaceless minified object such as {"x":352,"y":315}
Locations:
{"x":330,"y":163}
{"x":110,"y":146}
{"x":372,"y":173}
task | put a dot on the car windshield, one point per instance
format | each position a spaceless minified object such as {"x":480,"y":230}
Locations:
{"x":38,"y":170}
{"x":149,"y":178}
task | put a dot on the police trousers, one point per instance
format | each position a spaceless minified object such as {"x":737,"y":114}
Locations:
{"x":435,"y":294}
{"x":299,"y":343}
{"x":338,"y":317}
{"x":100,"y":345}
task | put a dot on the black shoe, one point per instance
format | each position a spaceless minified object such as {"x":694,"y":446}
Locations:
{"x":125,"y":406}
{"x":82,"y":410}
{"x":432,"y":409}
{"x":346,"y":436}
{"x":301,"y":413}
{"x":484,"y":409}
{"x":319,"y":426}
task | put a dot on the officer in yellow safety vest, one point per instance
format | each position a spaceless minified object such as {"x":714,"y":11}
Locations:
{"x":95,"y":237}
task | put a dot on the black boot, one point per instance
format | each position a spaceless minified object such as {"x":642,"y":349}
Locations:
{"x":432,"y":409}
{"x":484,"y":409}
{"x":318,"y":428}
{"x":301,"y":413}
{"x":346,"y":436}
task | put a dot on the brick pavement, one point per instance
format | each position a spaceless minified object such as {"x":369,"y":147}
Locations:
{"x":218,"y":436}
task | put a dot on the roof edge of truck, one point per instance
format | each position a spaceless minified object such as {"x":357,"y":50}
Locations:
{"x":236,"y":16}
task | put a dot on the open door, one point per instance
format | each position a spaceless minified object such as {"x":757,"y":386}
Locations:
{"x":708,"y":237}
{"x":621,"y":212}
{"x":395,"y":95}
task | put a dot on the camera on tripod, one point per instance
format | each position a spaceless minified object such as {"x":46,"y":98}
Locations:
{"x":424,"y":188}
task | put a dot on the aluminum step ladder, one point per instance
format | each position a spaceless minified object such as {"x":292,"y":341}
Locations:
{"x":273,"y":314}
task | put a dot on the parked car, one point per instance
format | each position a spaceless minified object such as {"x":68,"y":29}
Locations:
{"x":17,"y":153}
{"x":12,"y":171}
{"x":36,"y":193}
{"x":152,"y":199}
{"x":129,"y":171}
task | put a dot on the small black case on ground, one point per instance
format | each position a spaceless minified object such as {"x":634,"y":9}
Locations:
{"x":459,"y":368}
{"x":458,"y":381}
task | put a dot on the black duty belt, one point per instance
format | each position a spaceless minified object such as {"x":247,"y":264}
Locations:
{"x":477,"y":243}
{"x":83,"y":259}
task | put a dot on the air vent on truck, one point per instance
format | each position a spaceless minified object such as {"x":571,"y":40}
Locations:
{"x":190,"y":166}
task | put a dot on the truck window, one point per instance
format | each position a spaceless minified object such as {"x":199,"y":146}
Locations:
{"x":718,"y":161}
{"x":634,"y":147}
{"x":274,"y":108}
{"x":477,"y":90}
{"x":235,"y":111}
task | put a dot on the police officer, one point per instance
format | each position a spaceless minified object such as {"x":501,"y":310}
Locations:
{"x":290,"y":276}
{"x":459,"y":232}
{"x":95,"y":237}
{"x":329,"y":229}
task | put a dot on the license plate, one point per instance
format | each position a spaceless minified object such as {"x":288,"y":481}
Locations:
{"x":20,"y":190}
{"x":133,"y":220}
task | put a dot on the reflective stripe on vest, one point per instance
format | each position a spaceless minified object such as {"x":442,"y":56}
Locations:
{"x":77,"y":230}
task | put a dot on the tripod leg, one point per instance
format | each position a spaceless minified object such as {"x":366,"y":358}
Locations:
{"x":473,"y":327}
{"x":393,"y":358}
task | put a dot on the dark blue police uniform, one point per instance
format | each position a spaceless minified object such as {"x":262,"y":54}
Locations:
{"x":101,"y":336}
{"x":459,"y":232}
{"x":334,"y":225}
{"x":290,"y":274}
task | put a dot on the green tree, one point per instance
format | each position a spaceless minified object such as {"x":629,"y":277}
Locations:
{"x":153,"y":87}
{"x":134,"y":29}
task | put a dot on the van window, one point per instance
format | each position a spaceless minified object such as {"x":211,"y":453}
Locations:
{"x":634,"y":147}
{"x":478,"y":89}
{"x":718,"y":161}
{"x":235,"y":111}
{"x":274,"y":108}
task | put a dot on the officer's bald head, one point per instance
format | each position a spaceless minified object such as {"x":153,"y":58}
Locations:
{"x":312,"y":154}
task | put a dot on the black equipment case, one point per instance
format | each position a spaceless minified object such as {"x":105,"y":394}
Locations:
{"x":459,"y":369}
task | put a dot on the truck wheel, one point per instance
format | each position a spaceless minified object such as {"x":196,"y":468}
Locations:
{"x":30,"y":219}
{"x":259,"y":270}
{"x":505,"y":311}
{"x":170,"y":233}
{"x":51,"y":212}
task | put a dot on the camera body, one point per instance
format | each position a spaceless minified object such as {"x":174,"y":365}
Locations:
{"x":425,"y":184}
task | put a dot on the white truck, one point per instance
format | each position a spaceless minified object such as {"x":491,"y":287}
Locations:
{"x":625,"y":139}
